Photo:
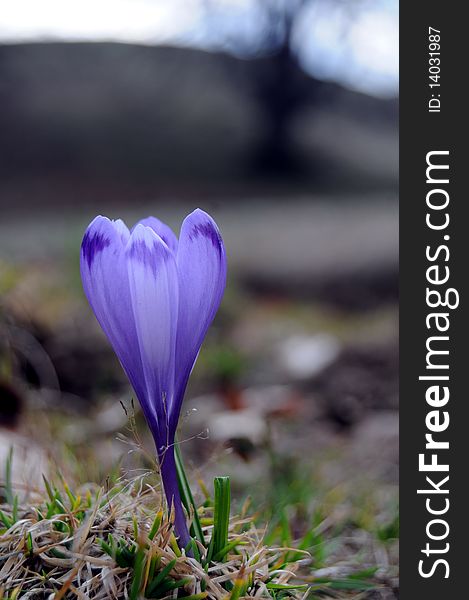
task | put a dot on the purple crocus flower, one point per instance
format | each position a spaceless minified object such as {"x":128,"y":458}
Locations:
{"x":155,"y":297}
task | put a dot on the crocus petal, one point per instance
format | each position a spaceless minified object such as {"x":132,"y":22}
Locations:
{"x":105,"y":282}
{"x":164,"y":231}
{"x":201,"y":262}
{"x":153,"y":283}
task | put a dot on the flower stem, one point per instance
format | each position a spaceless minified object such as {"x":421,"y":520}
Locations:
{"x":170,"y":483}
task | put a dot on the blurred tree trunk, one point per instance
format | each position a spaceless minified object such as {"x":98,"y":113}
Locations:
{"x":280,"y":89}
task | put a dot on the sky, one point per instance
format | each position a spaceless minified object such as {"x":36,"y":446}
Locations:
{"x":353,"y":42}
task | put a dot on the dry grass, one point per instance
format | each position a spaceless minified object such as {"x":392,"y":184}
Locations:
{"x":117,"y":542}
{"x":96,"y":544}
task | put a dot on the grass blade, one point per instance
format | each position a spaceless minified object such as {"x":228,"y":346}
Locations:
{"x":221,"y":517}
{"x":139,"y":570}
{"x":187,"y":497}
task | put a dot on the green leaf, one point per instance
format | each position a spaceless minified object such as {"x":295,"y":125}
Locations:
{"x":192,"y":547}
{"x":346,"y":584}
{"x":364,"y":574}
{"x":169,"y":585}
{"x":8,"y":481}
{"x":284,"y":586}
{"x":71,"y":496}
{"x":389,"y":531}
{"x":221,"y":517}
{"x":238,"y":590}
{"x":5,"y":519}
{"x":156,"y":525}
{"x":187,"y":497}
{"x":106,"y":547}
{"x":153,"y":585}
{"x":139,"y":569}
{"x":224,"y":551}
{"x":285,"y":531}
{"x":154,"y":564}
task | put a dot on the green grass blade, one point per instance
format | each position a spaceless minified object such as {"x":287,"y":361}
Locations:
{"x":170,"y":584}
{"x":153,"y":586}
{"x":228,"y":548}
{"x":8,"y":481}
{"x":187,"y":497}
{"x":346,"y":584}
{"x":238,"y":590}
{"x":221,"y":517}
{"x":139,"y":570}
{"x":285,"y":586}
{"x":156,"y":525}
{"x":5,"y":519}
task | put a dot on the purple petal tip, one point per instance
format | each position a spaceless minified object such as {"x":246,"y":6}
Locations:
{"x":206,"y":227}
{"x":94,"y":241}
{"x":145,"y":245}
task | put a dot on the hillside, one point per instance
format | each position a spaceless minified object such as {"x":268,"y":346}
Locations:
{"x":109,"y":120}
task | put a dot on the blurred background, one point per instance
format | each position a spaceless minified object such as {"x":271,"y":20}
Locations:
{"x":279,"y":117}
